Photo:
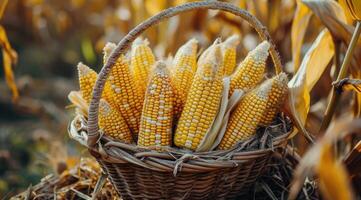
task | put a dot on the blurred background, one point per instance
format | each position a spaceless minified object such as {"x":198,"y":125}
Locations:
{"x":51,"y":36}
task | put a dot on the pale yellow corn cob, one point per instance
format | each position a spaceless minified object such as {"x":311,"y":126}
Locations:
{"x":142,"y":60}
{"x":251,"y":70}
{"x":87,"y":78}
{"x":127,"y":93}
{"x":276,"y":99}
{"x":245,"y":119}
{"x":229,"y":54}
{"x":112,"y":123}
{"x":202,"y":102}
{"x":184,"y":68}
{"x":157,"y":115}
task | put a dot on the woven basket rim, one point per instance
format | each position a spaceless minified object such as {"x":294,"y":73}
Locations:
{"x":173,"y":159}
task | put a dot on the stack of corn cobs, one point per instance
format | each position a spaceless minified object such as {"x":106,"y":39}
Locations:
{"x":200,"y":104}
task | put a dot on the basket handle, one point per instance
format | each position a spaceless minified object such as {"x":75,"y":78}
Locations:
{"x":123,"y":45}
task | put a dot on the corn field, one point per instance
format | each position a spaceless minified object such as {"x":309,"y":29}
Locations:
{"x":232,"y":99}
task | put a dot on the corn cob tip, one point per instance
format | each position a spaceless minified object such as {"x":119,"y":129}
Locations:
{"x":261,"y":51}
{"x":160,"y":65}
{"x":140,"y":41}
{"x":214,"y":56}
{"x":206,"y":52}
{"x":264,"y":89}
{"x":188,"y":48}
{"x":217,"y":41}
{"x":104,"y":107}
{"x":83,"y":69}
{"x":108,"y":48}
{"x":282,"y":78}
{"x":232,"y":41}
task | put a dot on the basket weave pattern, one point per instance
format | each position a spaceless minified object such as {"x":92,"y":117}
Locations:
{"x":139,"y":173}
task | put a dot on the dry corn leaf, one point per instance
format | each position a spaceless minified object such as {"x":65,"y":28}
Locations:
{"x":232,"y":102}
{"x":9,"y":57}
{"x":331,"y":15}
{"x":274,"y":15}
{"x":352,"y":8}
{"x":3,"y":4}
{"x":310,"y":71}
{"x":298,"y":31}
{"x":81,"y":105}
{"x":353,"y":160}
{"x":310,"y":163}
{"x":350,"y":85}
{"x":344,"y":6}
{"x":155,"y":6}
{"x":333,"y":178}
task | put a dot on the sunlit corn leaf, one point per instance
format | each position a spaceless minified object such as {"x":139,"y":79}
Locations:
{"x":9,"y":58}
{"x":353,"y":8}
{"x":298,"y":31}
{"x":311,"y":162}
{"x":333,"y":178}
{"x":313,"y":65}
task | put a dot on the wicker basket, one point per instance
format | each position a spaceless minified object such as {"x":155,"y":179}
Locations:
{"x":139,"y":173}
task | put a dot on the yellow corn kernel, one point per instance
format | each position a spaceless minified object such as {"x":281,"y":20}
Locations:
{"x":142,"y":59}
{"x":127,"y":94}
{"x":251,"y":70}
{"x":112,"y":123}
{"x":276,"y":98}
{"x":229,"y":54}
{"x":184,"y":68}
{"x":157,"y":115}
{"x":245,"y":119}
{"x":87,"y":78}
{"x":202,"y":103}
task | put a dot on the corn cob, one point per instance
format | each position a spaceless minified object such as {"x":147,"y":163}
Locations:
{"x":87,"y":78}
{"x":185,"y":66}
{"x":142,"y":59}
{"x":278,"y":94}
{"x":202,"y":102}
{"x":229,"y":55}
{"x":250,"y":72}
{"x":246,"y":117}
{"x":157,"y":115}
{"x":112,"y":123}
{"x":127,"y":93}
